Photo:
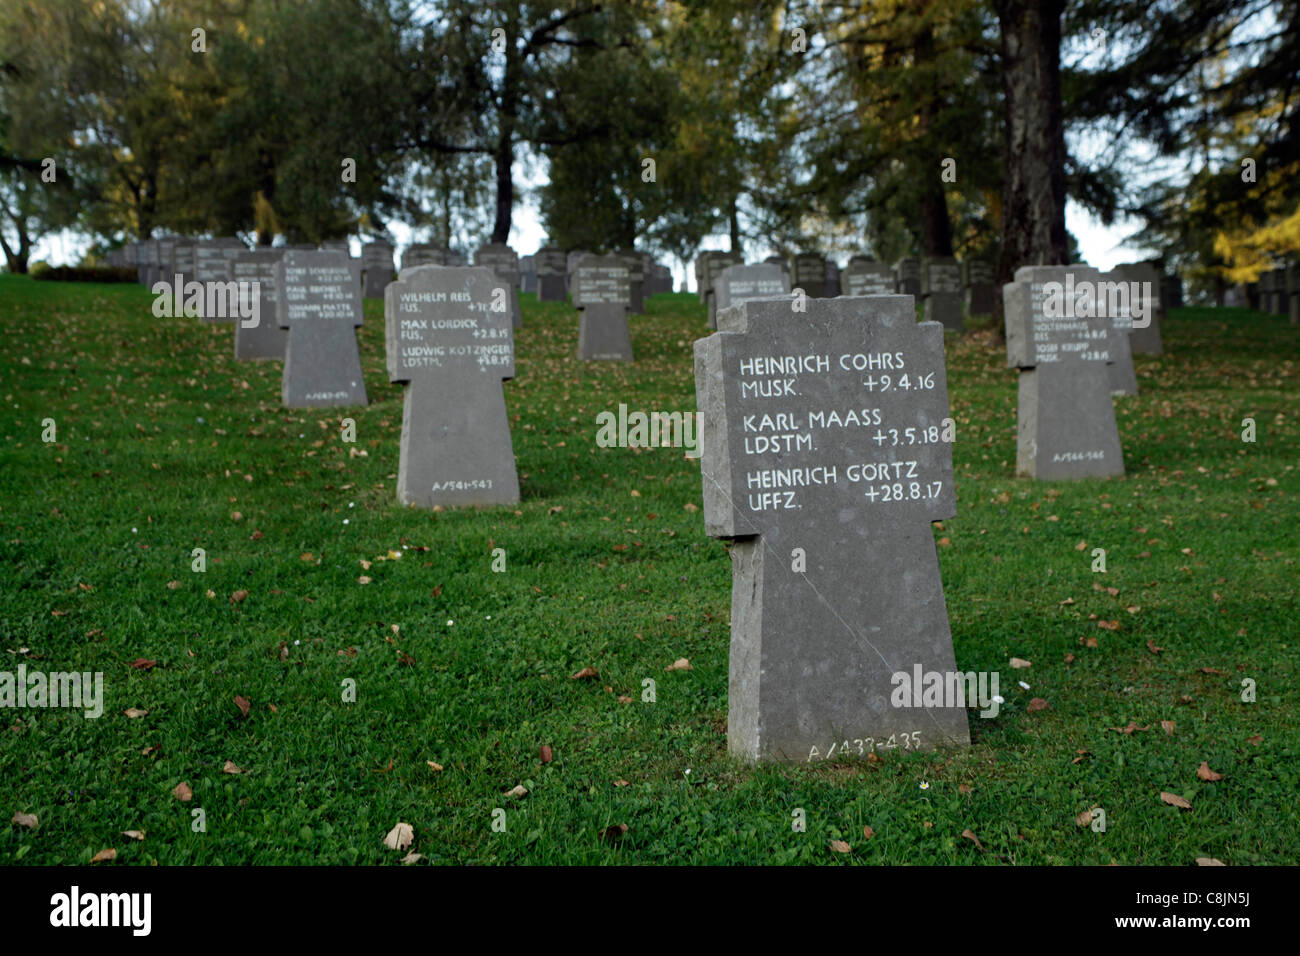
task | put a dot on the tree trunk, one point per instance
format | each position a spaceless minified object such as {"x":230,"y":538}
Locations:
{"x":505,"y":147}
{"x":936,"y":227}
{"x":16,"y":259}
{"x":1033,"y":196}
{"x":734,"y":220}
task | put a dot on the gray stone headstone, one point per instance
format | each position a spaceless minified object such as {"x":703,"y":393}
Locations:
{"x":267,"y":339}
{"x":907,"y":276}
{"x":832,"y":287}
{"x":866,"y":277}
{"x":941,"y":286}
{"x":823,"y":460}
{"x":337,"y":245}
{"x":504,"y":263}
{"x":320,"y":304}
{"x":147,"y":262}
{"x":740,"y":283}
{"x":980,"y":290}
{"x":1066,"y":423}
{"x":182,"y":260}
{"x":571,"y":260}
{"x":212,"y":259}
{"x":528,"y":275}
{"x":601,"y":290}
{"x":376,"y":268}
{"x":551,"y":264}
{"x":1145,"y":338}
{"x":454,"y":350}
{"x":131,"y":254}
{"x":810,"y":275}
{"x":1113,"y":302}
{"x":713,"y":264}
{"x":635,"y":280}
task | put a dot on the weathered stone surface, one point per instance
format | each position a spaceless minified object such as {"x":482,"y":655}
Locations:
{"x":810,"y":275}
{"x":528,"y":274}
{"x":445,"y":339}
{"x":823,"y":459}
{"x":212,"y":259}
{"x":504,"y":262}
{"x":601,"y":289}
{"x":376,"y":268}
{"x":635,"y":280}
{"x":941,"y":286}
{"x":266,"y":340}
{"x":832,"y":287}
{"x":1119,"y":370}
{"x":712,"y":264}
{"x":320,"y":304}
{"x":1066,"y":424}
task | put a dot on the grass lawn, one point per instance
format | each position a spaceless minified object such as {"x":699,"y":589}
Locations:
{"x":166,"y":444}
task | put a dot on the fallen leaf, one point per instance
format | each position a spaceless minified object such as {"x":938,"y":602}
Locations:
{"x":1167,"y":726}
{"x":1174,"y":800}
{"x":1132,"y":726}
{"x":518,"y":792}
{"x":236,"y":516}
{"x":232,"y":767}
{"x":839,"y":846}
{"x":365,"y":565}
{"x":681,"y":664}
{"x":412,"y":857}
{"x":1082,"y":545}
{"x":1151,"y":646}
{"x":1211,"y":670}
{"x":970,"y":835}
{"x":1205,"y":773}
{"x":134,"y":712}
{"x":546,"y":753}
{"x":1036,"y":705}
{"x":183,"y":793}
{"x":1069,"y":658}
{"x":1084,"y":818}
{"x":1018,"y":663}
{"x":1255,"y":741}
{"x":585,"y":673}
{"x":1108,"y":625}
{"x":1209,"y":861}
{"x":943,"y":543}
{"x":364,"y":579}
{"x":621,"y":783}
{"x":173,"y":585}
{"x":104,"y":855}
{"x":133,"y":834}
{"x":1067,"y":602}
{"x":868,"y":833}
{"x":399,"y":837}
{"x":624,"y":699}
{"x":615,"y":832}
{"x":27,"y":820}
{"x":435,"y":767}
{"x":1079,"y":759}
{"x":143,"y":664}
{"x":306,"y":556}
{"x":243,"y":703}
{"x":238,"y":596}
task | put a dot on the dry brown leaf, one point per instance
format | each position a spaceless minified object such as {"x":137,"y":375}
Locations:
{"x":615,"y":832}
{"x":143,"y":664}
{"x":943,"y":543}
{"x":1019,"y":663}
{"x":1066,"y":602}
{"x":585,"y":674}
{"x":621,"y":783}
{"x":364,"y":579}
{"x":624,"y":699}
{"x":1255,"y":741}
{"x":868,"y":833}
{"x":183,"y":793}
{"x":1079,"y":759}
{"x":1081,"y":546}
{"x":1132,"y":726}
{"x":238,"y":596}
{"x":27,"y":820}
{"x":173,"y":585}
{"x":546,"y":753}
{"x":1211,"y":670}
{"x":518,"y":792}
{"x":306,"y":556}
{"x":1036,"y":705}
{"x":399,"y":837}
{"x":133,"y":834}
{"x":1108,"y":625}
{"x":1205,"y":773}
{"x":236,"y":516}
{"x":1167,"y":726}
{"x":1174,"y":800}
{"x":1209,"y":861}
{"x":104,"y":856}
{"x":970,"y":835}
{"x":412,"y":857}
{"x":134,"y":712}
{"x":435,"y":767}
{"x":232,"y":767}
{"x":1084,"y":818}
{"x":243,"y":703}
{"x":839,"y":846}
{"x":681,"y":664}
{"x":1151,"y":646}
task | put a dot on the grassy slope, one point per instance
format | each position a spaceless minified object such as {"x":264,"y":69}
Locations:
{"x":162,"y":437}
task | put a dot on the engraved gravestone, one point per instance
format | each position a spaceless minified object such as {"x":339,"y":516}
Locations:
{"x":907,"y":276}
{"x":1145,"y":337}
{"x":552,"y":264}
{"x":810,"y":275}
{"x":978,"y":275}
{"x":266,"y":340}
{"x":941,"y":286}
{"x":147,"y":263}
{"x":739,"y":283}
{"x":823,"y":458}
{"x":504,"y":263}
{"x":635,"y":281}
{"x":1114,"y":302}
{"x":212,"y":259}
{"x":601,"y":292}
{"x":1293,"y":293}
{"x":165,"y":249}
{"x":866,"y":277}
{"x":446,"y":341}
{"x":1066,"y":422}
{"x":832,"y":287}
{"x":320,"y":305}
{"x":571,"y":260}
{"x":527,"y":274}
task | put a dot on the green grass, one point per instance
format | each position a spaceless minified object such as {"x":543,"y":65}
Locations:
{"x":162,"y":437}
